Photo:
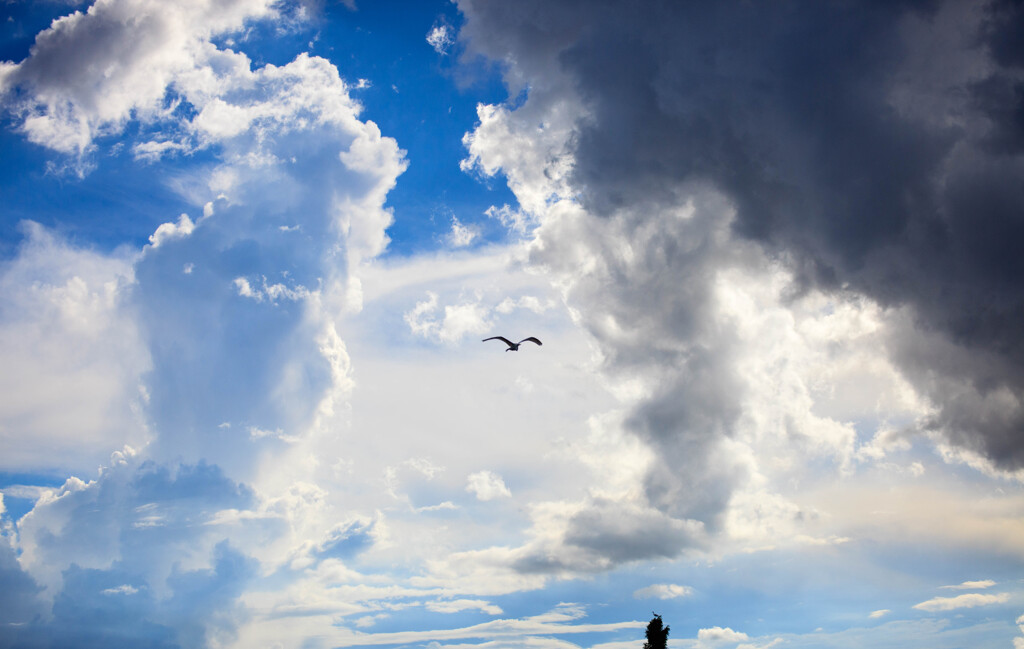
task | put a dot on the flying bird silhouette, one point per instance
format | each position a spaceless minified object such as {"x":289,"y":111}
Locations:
{"x":512,"y":347}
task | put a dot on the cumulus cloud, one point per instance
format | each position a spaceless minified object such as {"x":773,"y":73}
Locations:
{"x":167,"y":231}
{"x":75,"y":91}
{"x":718,"y":635}
{"x":212,"y":349}
{"x":486,"y":485}
{"x":96,"y":563}
{"x":158,"y":66}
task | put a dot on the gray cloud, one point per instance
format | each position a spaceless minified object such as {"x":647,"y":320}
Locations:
{"x":622,"y":534}
{"x":110,"y":552}
{"x":607,"y":533}
{"x":649,"y":299}
{"x":874,"y":148}
{"x":19,"y":598}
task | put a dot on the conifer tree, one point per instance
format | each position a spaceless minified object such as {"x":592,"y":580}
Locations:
{"x":657,"y":634}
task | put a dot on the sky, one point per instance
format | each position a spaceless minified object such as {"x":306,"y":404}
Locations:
{"x":249,"y":250}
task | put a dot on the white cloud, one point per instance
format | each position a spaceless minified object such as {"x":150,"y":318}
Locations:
{"x":516,"y":221}
{"x":73,"y":356}
{"x":879,"y":613}
{"x":525,"y":302}
{"x":461,"y":235}
{"x":270,"y":292}
{"x":535,"y":166}
{"x":486,"y":485}
{"x":28,"y":492}
{"x":969,"y":600}
{"x":564,"y":612}
{"x":440,"y":38}
{"x":512,"y":632}
{"x":459,"y":320}
{"x":457,"y":605}
{"x":76,"y":91}
{"x":663,"y":591}
{"x":302,"y":161}
{"x":971,"y":585}
{"x":259,"y":433}
{"x":718,"y":635}
{"x":446,"y":505}
{"x":168,"y":231}
{"x":417,"y":317}
{"x":464,"y":319}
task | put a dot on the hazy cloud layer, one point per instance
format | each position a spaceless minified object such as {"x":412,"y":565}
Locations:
{"x":67,"y":337}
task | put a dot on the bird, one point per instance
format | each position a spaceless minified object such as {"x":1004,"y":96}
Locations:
{"x":512,"y":347}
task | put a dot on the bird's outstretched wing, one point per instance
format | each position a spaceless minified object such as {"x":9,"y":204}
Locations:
{"x":501,"y":338}
{"x":531,"y":339}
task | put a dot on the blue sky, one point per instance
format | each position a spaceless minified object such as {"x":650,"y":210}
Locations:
{"x":249,"y":249}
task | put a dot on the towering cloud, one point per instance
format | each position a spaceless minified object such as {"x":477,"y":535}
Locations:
{"x":72,"y":89}
{"x":865,"y":152}
{"x":226,"y":319}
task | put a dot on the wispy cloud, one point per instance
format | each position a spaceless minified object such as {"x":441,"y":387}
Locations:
{"x":972,"y":585}
{"x":969,"y":600}
{"x":500,"y":630}
{"x":486,"y":485}
{"x":440,"y":38}
{"x":663,"y":591}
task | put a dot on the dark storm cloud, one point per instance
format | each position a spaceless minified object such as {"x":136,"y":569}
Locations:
{"x":874,"y":147}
